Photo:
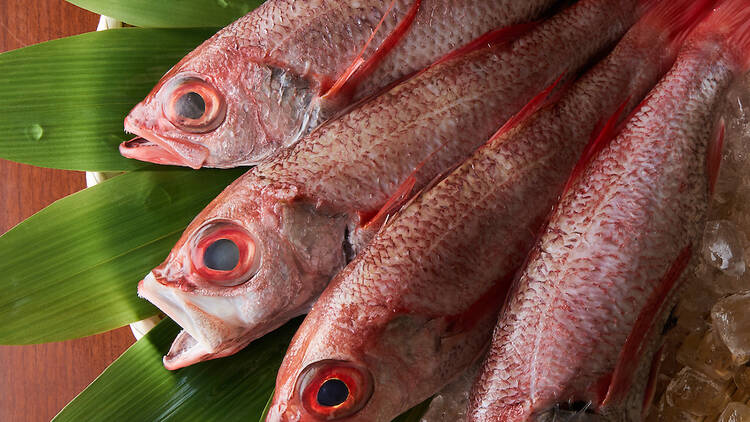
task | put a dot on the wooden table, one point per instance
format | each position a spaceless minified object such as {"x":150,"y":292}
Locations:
{"x":37,"y":381}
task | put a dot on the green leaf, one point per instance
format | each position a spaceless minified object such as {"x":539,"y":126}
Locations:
{"x":136,"y":387}
{"x":64,"y":101}
{"x":171,"y":13}
{"x":71,"y":270}
{"x":234,"y":388}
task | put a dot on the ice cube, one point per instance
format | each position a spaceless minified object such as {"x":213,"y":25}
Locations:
{"x":735,"y":412}
{"x":723,"y":247}
{"x":665,"y":412}
{"x":731,"y":320}
{"x":706,"y":353}
{"x":693,"y":392}
{"x":742,"y":379}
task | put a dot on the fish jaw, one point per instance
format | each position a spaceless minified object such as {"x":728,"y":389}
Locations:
{"x":298,"y":249}
{"x":204,"y":335}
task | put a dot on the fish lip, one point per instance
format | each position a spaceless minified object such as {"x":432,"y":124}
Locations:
{"x":147,"y":146}
{"x":179,"y":356}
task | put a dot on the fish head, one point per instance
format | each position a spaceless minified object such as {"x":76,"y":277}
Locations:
{"x":218,"y":109}
{"x":252,"y":260}
{"x":349,"y":365}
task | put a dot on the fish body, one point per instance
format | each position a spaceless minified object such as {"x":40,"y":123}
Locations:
{"x":417,"y":306}
{"x":582,"y":325}
{"x":259,"y":84}
{"x":304,"y":215}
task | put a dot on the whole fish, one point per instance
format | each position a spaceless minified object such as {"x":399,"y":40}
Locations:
{"x":582,"y":326}
{"x":417,"y":307}
{"x":287,"y":227}
{"x":253,"y":88}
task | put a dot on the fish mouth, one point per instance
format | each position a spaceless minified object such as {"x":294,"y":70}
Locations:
{"x":154,"y":149}
{"x":204,"y":336}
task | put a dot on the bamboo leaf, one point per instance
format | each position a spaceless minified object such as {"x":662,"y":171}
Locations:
{"x":234,"y":388}
{"x":136,"y":386}
{"x":71,"y":269}
{"x":64,"y":101}
{"x":171,"y":13}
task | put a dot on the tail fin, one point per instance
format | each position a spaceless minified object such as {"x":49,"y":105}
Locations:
{"x":731,"y":20}
{"x":674,"y":20}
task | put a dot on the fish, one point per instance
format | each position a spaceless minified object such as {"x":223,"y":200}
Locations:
{"x":258,"y":85}
{"x":291,"y":224}
{"x":417,"y":307}
{"x":581,"y":332}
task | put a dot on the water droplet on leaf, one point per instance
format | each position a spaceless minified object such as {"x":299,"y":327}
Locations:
{"x":34,"y":132}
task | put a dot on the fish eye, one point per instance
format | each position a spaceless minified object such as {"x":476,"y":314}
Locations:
{"x":194,"y":105}
{"x":224,"y":254}
{"x":333,"y":392}
{"x":332,"y":389}
{"x":190,"y":105}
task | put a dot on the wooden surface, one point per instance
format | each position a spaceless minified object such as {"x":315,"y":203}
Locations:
{"x":37,"y":381}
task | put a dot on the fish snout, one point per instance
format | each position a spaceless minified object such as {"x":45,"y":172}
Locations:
{"x":204,"y":336}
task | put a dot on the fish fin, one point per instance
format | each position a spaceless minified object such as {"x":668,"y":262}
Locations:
{"x":713,"y":160}
{"x":495,"y":37}
{"x":732,"y":20}
{"x":600,"y":138}
{"x":673,"y":20}
{"x":653,"y":373}
{"x":360,"y":67}
{"x":392,"y":205}
{"x":636,"y":341}
{"x":548,"y":96}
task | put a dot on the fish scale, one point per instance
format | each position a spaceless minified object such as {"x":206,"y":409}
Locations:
{"x":613,"y":240}
{"x":306,"y":211}
{"x":313,"y":44}
{"x":417,"y":306}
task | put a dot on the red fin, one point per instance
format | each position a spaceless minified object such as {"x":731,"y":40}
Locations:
{"x":544,"y":98}
{"x":633,"y":347}
{"x":394,"y":203}
{"x":498,"y":36}
{"x":674,"y":18}
{"x":713,"y":160}
{"x":653,"y":373}
{"x":599,"y":139}
{"x":732,"y":20}
{"x":361,"y":67}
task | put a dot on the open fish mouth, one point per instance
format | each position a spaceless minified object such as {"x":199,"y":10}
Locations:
{"x":164,"y":151}
{"x":204,"y":336}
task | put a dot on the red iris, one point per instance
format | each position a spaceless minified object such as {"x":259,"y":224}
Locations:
{"x":194,"y":105}
{"x":242,"y":263}
{"x":334,"y":389}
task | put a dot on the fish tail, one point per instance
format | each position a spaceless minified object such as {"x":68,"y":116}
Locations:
{"x":732,"y":21}
{"x":673,"y":20}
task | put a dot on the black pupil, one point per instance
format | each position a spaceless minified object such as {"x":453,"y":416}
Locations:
{"x":191,"y":105}
{"x":333,"y":392}
{"x":222,"y":255}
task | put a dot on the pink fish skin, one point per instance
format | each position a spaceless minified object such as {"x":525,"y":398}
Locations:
{"x":301,"y":215}
{"x":417,"y":307}
{"x":257,"y":85}
{"x":583,"y":322}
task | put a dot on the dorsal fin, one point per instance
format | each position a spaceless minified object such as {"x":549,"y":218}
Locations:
{"x":360,"y":67}
{"x":497,"y":36}
{"x":713,"y":159}
{"x":731,"y":20}
{"x":675,"y":19}
{"x":600,"y":138}
{"x":632,"y":350}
